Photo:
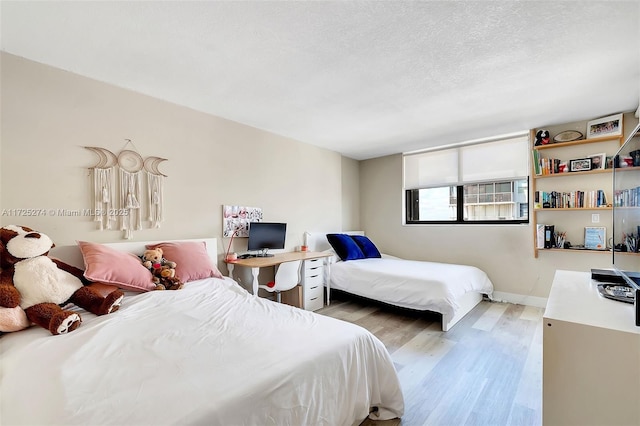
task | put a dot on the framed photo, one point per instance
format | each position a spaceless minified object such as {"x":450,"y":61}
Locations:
{"x":598,"y":161}
{"x":609,"y":163}
{"x":595,"y":237}
{"x":605,"y":126}
{"x":581,"y":165}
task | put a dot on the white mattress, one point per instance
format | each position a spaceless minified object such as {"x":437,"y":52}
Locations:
{"x":207,"y":354}
{"x":410,"y":283}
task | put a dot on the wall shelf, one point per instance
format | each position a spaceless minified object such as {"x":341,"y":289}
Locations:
{"x":555,"y":209}
{"x":580,"y":142}
{"x":589,"y":181}
{"x":569,"y":174}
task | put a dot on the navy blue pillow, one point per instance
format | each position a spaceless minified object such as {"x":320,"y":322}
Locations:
{"x":345,"y":246}
{"x":366,"y":245}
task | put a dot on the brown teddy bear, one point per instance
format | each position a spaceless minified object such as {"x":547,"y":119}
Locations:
{"x":44,"y":284}
{"x":163,"y":270}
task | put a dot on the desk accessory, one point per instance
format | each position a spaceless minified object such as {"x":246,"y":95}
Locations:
{"x":549,"y":237}
{"x":232,"y":257}
{"x":620,"y":292}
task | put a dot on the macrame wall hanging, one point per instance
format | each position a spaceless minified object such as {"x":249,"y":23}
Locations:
{"x":128,"y":207}
{"x":103,"y":175}
{"x":155,"y":189}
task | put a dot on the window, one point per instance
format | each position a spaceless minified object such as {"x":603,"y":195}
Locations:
{"x":481,"y":183}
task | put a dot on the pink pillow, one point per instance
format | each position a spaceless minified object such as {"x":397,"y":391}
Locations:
{"x":106,"y":265}
{"x":192,"y":260}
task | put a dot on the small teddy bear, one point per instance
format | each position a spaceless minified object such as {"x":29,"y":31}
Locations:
{"x":162,"y":270}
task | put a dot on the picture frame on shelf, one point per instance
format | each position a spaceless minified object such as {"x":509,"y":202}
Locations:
{"x":605,"y":126}
{"x":609,"y":162}
{"x":580,"y":165}
{"x":595,"y":238}
{"x":598,"y":161}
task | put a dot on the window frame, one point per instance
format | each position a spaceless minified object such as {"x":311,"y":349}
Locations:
{"x":410,"y":203}
{"x":460,"y":208}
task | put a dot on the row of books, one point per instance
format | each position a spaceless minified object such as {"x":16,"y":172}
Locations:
{"x":573,"y":199}
{"x":627,"y":197}
{"x":547,"y":166}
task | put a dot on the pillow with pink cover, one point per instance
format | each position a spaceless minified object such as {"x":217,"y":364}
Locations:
{"x":191,"y":257}
{"x":106,"y":265}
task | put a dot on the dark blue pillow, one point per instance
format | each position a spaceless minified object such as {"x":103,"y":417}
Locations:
{"x":345,"y":246}
{"x":366,"y":245}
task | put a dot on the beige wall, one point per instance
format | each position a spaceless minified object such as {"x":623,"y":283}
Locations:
{"x":48,"y":115}
{"x":350,"y":194}
{"x":504,"y":252}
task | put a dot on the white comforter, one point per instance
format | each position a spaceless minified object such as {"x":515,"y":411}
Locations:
{"x":410,"y":283}
{"x":208,"y":354}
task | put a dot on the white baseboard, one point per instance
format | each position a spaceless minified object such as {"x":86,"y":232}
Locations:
{"x":520,"y":299}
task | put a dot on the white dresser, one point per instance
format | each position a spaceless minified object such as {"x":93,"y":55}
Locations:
{"x":591,"y":356}
{"x":312,"y":282}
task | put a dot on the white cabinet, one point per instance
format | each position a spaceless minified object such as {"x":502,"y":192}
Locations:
{"x":312,"y":282}
{"x":591,"y":356}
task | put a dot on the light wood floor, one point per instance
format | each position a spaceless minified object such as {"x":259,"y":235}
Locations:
{"x":487,"y":370}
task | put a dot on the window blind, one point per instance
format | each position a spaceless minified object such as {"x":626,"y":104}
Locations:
{"x":500,"y":159}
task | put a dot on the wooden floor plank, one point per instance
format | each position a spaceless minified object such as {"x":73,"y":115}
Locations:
{"x":531,"y":313}
{"x":490,"y":317}
{"x":487,"y":370}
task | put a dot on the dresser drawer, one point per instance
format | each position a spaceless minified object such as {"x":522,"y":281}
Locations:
{"x":313,"y":280}
{"x":311,"y":265}
{"x":314,"y":305}
{"x":314,"y":300}
{"x":313,"y":291}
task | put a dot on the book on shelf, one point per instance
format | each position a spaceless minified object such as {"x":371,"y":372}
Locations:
{"x":540,"y":235}
{"x":549,"y":236}
{"x":571,"y":200}
{"x":536,"y":163}
{"x":547,"y":166}
{"x":627,"y":197}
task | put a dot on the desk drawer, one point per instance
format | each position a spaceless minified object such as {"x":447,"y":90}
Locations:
{"x":314,"y":305}
{"x":313,"y":280}
{"x":314,"y":298}
{"x":313,"y":291}
{"x":312,"y":264}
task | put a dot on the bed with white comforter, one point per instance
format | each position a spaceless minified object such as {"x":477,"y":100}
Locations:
{"x":209,"y":354}
{"x":428,"y":286}
{"x":452,"y":290}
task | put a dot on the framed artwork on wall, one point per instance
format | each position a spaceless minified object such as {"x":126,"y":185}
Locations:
{"x":235,"y":219}
{"x":605,"y":126}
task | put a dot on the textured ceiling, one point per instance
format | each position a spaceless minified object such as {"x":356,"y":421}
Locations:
{"x":362,"y":78}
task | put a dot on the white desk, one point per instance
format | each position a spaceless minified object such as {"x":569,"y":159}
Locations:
{"x":255,"y":263}
{"x":591,"y":356}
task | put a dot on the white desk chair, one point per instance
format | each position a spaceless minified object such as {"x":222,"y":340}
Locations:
{"x":287,"y":277}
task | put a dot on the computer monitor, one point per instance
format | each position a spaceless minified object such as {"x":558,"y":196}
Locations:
{"x":266,"y":235}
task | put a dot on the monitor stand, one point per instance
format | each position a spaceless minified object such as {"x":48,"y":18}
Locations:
{"x":264,"y":253}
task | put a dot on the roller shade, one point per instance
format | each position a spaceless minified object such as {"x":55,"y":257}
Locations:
{"x":437,"y":168}
{"x":488,"y":161}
